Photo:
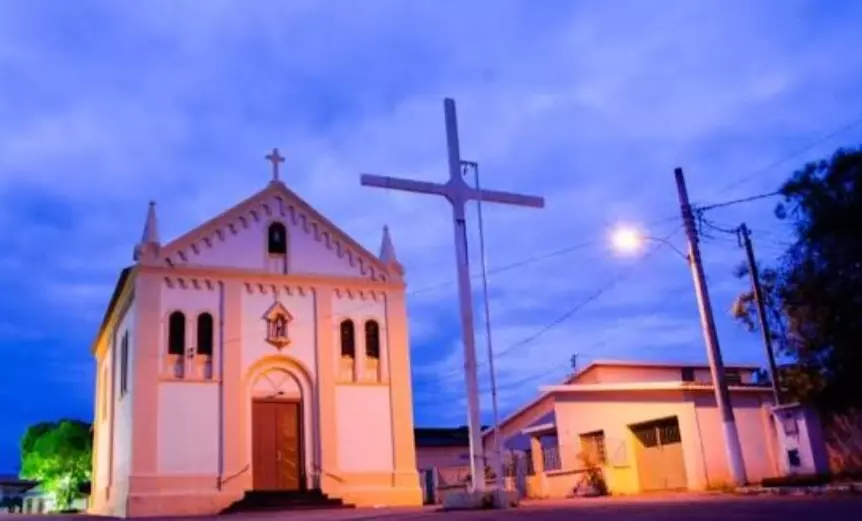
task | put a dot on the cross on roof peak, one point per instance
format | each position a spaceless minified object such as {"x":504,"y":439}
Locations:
{"x":275,"y":159}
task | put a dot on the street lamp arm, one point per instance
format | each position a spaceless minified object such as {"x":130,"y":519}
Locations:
{"x":670,"y":245}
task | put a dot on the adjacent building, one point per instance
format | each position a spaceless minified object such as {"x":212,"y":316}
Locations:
{"x":646,"y":426}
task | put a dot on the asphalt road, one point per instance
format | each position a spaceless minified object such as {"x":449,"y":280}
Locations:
{"x":682,"y":508}
{"x":704,"y":508}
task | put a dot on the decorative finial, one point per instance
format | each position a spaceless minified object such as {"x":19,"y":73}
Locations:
{"x":387,"y":252}
{"x":275,"y":158}
{"x":150,"y":242}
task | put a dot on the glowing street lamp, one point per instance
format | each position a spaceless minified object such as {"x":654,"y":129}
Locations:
{"x":628,"y":240}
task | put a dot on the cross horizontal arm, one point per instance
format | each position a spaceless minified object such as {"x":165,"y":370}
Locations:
{"x":406,"y":185}
{"x":492,"y":196}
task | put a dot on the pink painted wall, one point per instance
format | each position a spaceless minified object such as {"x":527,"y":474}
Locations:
{"x":364,"y":427}
{"x":751,"y":413}
{"x":700,"y":428}
{"x":613,"y":412}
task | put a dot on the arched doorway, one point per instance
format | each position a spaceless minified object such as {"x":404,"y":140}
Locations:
{"x":277,"y":431}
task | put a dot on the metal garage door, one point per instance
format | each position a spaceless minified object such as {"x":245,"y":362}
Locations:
{"x":660,"y":460}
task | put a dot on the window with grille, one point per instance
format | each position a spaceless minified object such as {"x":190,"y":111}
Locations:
{"x":176,"y":333}
{"x":733,"y":377}
{"x":688,"y":374}
{"x":348,"y":339}
{"x":372,"y":339}
{"x":593,"y":447}
{"x":277,"y":239}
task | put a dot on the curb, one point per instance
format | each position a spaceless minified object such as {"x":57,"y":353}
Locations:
{"x":841,"y":488}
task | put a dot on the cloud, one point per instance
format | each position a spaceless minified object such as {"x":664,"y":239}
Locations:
{"x":591,"y":105}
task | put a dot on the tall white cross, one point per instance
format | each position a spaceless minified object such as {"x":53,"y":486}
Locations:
{"x":275,"y":158}
{"x":458,"y":193}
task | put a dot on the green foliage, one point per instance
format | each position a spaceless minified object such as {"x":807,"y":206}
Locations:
{"x":59,"y":456}
{"x":813,"y":295}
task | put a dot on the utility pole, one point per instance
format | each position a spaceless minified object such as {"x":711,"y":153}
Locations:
{"x":745,"y":236}
{"x":716,"y":365}
{"x":458,"y":193}
{"x":498,"y":459}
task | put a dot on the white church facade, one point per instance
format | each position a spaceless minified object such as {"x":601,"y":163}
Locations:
{"x":263,"y":350}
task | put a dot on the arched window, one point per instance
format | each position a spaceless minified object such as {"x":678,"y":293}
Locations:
{"x":348,"y":339}
{"x":372,"y":339}
{"x":124,"y":364}
{"x":176,"y":333}
{"x":205,"y":334}
{"x":277,"y":239}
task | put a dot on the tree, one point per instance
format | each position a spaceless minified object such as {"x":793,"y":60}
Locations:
{"x":813,"y":295}
{"x":59,"y":456}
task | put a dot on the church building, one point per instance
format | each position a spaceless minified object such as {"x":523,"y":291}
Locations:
{"x":263,"y":350}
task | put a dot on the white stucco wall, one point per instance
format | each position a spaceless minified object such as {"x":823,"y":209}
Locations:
{"x":123,"y":427}
{"x":310,"y":250}
{"x":364,"y":426}
{"x":188,"y":428}
{"x":104,"y":402}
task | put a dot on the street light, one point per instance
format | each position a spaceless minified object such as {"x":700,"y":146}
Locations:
{"x":629,"y":239}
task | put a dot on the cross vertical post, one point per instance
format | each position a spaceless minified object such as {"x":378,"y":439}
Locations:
{"x":458,"y":193}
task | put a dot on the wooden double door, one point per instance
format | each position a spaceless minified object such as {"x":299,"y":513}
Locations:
{"x":277,"y":445}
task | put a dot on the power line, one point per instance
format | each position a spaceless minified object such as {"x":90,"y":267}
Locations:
{"x":737,"y":201}
{"x":750,"y":175}
{"x":577,"y":307}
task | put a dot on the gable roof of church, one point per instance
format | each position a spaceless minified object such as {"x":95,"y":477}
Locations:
{"x":254,"y":204}
{"x":112,"y":303}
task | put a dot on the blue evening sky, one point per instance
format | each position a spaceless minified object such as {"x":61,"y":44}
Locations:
{"x":105,"y":105}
